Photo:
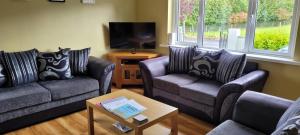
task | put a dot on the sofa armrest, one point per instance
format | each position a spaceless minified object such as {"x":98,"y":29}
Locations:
{"x":101,"y":70}
{"x":254,"y":80}
{"x":153,"y":68}
{"x":230,"y":92}
{"x":260,"y":111}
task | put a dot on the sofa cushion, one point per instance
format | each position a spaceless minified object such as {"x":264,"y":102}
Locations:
{"x":230,"y":127}
{"x":60,"y":89}
{"x":202,"y":91}
{"x":249,"y":67}
{"x":230,"y":67}
{"x":180,"y":59}
{"x":54,"y":65}
{"x":23,"y":96}
{"x":44,"y":107}
{"x":2,"y":76}
{"x":20,"y":67}
{"x":79,"y":60}
{"x":172,"y":82}
{"x":205,"y":63}
{"x":293,"y":110}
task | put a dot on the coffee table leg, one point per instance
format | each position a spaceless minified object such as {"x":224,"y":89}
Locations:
{"x":90,"y":120}
{"x":174,"y":121}
{"x":138,"y":131}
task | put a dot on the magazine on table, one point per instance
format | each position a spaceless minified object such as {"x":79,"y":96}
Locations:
{"x":123,"y":107}
{"x":121,"y":127}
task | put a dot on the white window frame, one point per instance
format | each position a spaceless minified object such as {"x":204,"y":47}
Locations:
{"x":250,"y":30}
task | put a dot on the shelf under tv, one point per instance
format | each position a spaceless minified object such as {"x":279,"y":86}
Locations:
{"x":127,"y":71}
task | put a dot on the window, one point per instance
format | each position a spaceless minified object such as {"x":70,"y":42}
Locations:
{"x":188,"y":20}
{"x":251,"y":26}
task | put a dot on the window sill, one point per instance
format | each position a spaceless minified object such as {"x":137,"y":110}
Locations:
{"x":274,"y":59}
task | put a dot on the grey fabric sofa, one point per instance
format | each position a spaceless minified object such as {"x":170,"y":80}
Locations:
{"x":35,"y":102}
{"x":207,"y":99}
{"x":257,"y":114}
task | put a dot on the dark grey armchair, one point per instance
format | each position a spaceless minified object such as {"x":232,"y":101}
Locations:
{"x":207,"y":99}
{"x":258,"y":114}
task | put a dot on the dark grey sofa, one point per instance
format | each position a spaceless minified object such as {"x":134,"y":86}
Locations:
{"x":258,"y":114}
{"x":35,"y":102}
{"x":207,"y":99}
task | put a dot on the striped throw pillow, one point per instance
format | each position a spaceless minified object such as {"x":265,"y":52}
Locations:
{"x":180,"y":59}
{"x":21,"y":67}
{"x":79,"y":60}
{"x":2,"y":76}
{"x":230,"y":67}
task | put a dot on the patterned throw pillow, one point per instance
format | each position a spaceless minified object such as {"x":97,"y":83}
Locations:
{"x":205,"y":63}
{"x":290,"y":127}
{"x":79,"y":60}
{"x":180,"y":59}
{"x":20,"y":67}
{"x":293,"y":110}
{"x":54,"y":65}
{"x":230,"y":67}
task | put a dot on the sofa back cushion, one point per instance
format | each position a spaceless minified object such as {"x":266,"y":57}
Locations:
{"x":20,"y":67}
{"x":249,"y":67}
{"x":180,"y":59}
{"x":230,"y":67}
{"x":205,"y":63}
{"x":292,"y":111}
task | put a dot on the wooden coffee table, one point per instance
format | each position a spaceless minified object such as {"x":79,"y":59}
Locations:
{"x":155,"y":112}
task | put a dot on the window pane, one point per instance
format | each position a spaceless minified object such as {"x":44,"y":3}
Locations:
{"x":225,"y":24}
{"x":188,"y":20}
{"x":273,"y":25}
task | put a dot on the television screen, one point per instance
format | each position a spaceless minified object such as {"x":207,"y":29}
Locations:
{"x":129,"y":35}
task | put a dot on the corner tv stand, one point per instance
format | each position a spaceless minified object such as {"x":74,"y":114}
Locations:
{"x":127,"y":71}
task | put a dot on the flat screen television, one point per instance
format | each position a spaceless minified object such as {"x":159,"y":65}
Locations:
{"x":132,"y":35}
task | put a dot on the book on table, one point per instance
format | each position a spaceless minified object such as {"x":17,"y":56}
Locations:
{"x":123,"y":107}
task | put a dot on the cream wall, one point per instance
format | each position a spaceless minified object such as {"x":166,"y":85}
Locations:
{"x":284,"y":80}
{"x":27,"y":24}
{"x":157,"y":11}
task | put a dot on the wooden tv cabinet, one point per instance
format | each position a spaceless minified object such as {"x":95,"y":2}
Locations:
{"x":127,"y":71}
